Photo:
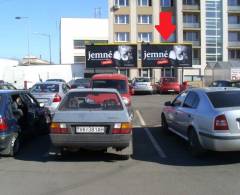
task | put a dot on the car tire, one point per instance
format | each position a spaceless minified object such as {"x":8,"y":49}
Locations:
{"x":13,"y":146}
{"x":195,"y":146}
{"x":164,"y":124}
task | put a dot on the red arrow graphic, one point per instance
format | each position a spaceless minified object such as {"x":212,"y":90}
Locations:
{"x":165,"y":27}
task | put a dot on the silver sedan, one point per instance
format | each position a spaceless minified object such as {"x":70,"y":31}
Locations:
{"x":209,"y":119}
{"x":95,"y":119}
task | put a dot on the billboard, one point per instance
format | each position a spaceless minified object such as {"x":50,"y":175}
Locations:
{"x":235,"y":74}
{"x":166,"y":55}
{"x":111,"y":56}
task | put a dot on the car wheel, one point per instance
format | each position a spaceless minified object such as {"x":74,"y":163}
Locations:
{"x":194,"y":144}
{"x":164,"y":123}
{"x":13,"y":146}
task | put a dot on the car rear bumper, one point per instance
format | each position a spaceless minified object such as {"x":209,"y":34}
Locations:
{"x":91,"y":141}
{"x":220,"y":142}
{"x":150,"y":89}
{"x":169,"y":90}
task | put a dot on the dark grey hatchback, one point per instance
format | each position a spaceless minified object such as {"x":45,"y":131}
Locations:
{"x":20,"y":116}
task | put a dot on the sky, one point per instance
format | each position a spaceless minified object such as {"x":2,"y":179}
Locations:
{"x":43,"y":16}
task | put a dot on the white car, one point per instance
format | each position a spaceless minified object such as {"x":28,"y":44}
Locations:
{"x":94,"y":119}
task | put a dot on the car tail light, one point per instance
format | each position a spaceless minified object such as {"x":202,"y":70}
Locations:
{"x":57,"y":98}
{"x":59,"y":128}
{"x":122,"y":128}
{"x":3,"y":125}
{"x":221,"y":123}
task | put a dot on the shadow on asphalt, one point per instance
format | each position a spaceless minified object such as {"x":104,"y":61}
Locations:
{"x":177,"y":151}
{"x":38,"y":150}
{"x":175,"y":148}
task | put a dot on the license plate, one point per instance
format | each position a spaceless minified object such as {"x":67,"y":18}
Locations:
{"x":90,"y":129}
{"x":43,"y":100}
{"x":171,"y":90}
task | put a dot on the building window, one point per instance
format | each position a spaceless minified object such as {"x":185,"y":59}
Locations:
{"x":234,"y":19}
{"x":190,"y":2}
{"x":79,"y":59}
{"x":234,"y":2}
{"x":122,"y":3}
{"x":191,"y":36}
{"x":78,"y":44}
{"x":145,"y":37}
{"x":190,"y":18}
{"x":234,"y":36}
{"x":234,"y":54}
{"x":144,"y":2}
{"x":144,"y":19}
{"x":167,"y":3}
{"x":121,"y":19}
{"x":122,"y":37}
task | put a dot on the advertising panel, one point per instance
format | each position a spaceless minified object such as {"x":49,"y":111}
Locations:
{"x":111,"y":56}
{"x":166,"y":55}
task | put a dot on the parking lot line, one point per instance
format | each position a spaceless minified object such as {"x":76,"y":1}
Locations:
{"x":159,"y":150}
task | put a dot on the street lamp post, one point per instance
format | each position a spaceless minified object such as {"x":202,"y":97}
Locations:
{"x":28,"y":39}
{"x":49,"y":44}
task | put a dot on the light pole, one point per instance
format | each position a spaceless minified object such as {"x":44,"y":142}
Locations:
{"x":28,"y":39}
{"x":49,"y":44}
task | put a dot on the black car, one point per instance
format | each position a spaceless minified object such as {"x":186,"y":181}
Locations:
{"x":79,"y":83}
{"x":221,"y":83}
{"x":21,"y":116}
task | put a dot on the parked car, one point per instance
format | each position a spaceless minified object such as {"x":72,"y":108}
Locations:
{"x":168,"y":85}
{"x":207,"y":118}
{"x":56,"y":80}
{"x":115,"y":81}
{"x":220,"y":83}
{"x":79,"y":83}
{"x":6,"y":86}
{"x":143,"y":84}
{"x":92,"y":119}
{"x":20,"y":116}
{"x":49,"y":93}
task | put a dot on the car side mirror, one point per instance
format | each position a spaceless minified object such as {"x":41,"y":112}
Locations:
{"x":168,"y":103}
{"x":41,"y":105}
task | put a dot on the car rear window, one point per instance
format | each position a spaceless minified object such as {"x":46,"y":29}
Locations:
{"x":91,"y":101}
{"x":169,"y":80}
{"x":119,"y":85}
{"x":224,"y":99}
{"x":82,"y":81}
{"x":142,"y":80}
{"x":45,"y":88}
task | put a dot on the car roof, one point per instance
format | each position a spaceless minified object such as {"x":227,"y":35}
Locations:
{"x":110,"y":76}
{"x":214,"y":89}
{"x":11,"y":91}
{"x":49,"y":82}
{"x":109,"y":90}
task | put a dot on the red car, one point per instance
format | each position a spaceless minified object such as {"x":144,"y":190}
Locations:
{"x":169,"y":85}
{"x":116,"y":81}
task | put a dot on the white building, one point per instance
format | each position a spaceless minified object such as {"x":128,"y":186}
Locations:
{"x":76,"y":33}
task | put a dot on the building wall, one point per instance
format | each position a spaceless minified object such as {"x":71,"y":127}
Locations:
{"x":80,"y":29}
{"x":179,"y":10}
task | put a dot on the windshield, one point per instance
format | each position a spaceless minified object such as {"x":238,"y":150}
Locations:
{"x":142,"y":80}
{"x":224,"y":99}
{"x":168,"y":80}
{"x":45,"y":88}
{"x":57,"y":80}
{"x":119,"y":85}
{"x":91,"y":101}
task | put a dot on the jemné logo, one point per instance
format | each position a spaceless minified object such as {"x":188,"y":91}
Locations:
{"x":100,"y":55}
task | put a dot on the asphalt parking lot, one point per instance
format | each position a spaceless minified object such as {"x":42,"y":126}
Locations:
{"x":160,"y":164}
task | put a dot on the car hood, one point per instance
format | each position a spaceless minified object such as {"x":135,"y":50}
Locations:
{"x":91,"y":116}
